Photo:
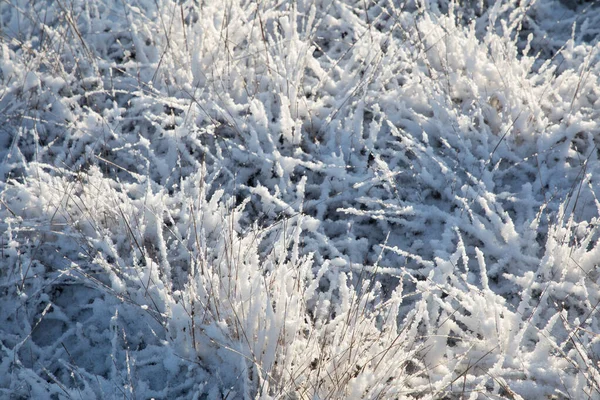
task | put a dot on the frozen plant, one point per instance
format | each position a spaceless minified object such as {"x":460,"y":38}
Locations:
{"x":299,"y":199}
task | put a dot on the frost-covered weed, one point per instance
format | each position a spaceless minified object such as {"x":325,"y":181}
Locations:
{"x":322,"y":200}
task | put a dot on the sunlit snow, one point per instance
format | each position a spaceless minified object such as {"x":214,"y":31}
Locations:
{"x":337,"y":199}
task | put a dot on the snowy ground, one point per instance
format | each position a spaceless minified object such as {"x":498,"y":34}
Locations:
{"x":299,"y":199}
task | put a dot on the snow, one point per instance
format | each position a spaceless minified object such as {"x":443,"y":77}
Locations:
{"x":299,"y":199}
{"x":31,"y":81}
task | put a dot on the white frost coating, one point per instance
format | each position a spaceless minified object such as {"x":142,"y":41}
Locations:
{"x":299,"y":199}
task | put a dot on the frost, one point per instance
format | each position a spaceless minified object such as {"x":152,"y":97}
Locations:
{"x":299,"y":199}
